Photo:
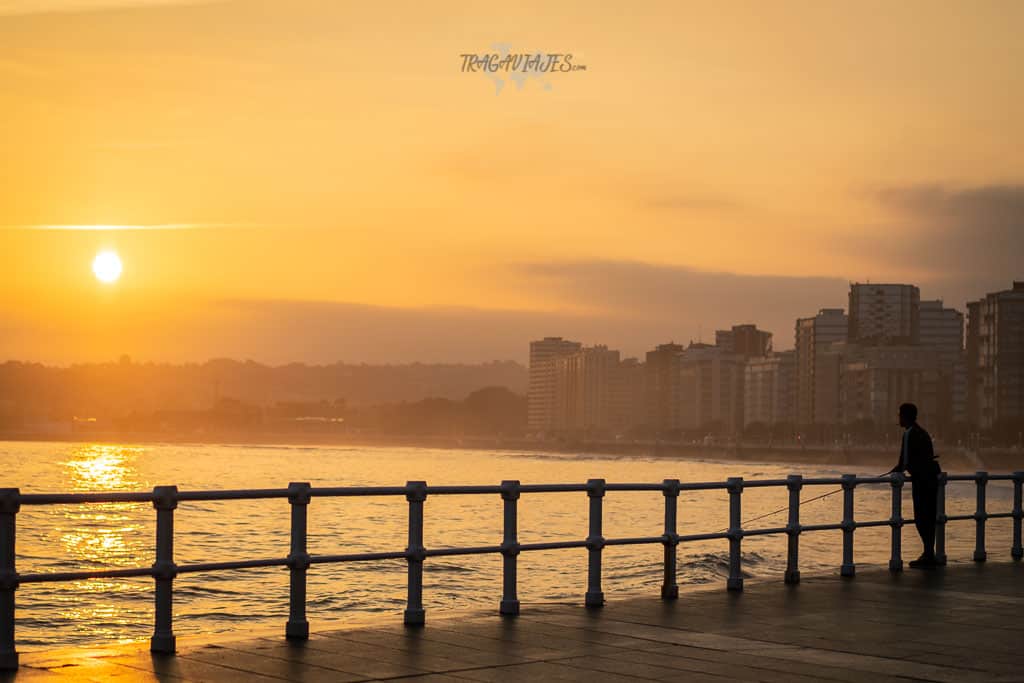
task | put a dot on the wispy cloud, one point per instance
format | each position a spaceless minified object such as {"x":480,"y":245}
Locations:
{"x":693,"y":202}
{"x":155,"y":226}
{"x":23,"y":7}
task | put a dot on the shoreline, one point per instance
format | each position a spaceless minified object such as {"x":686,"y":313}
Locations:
{"x":950,"y":458}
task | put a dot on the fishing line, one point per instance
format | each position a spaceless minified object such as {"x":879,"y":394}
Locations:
{"x":786,"y":507}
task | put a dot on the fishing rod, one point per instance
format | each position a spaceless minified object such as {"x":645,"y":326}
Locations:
{"x":786,"y":507}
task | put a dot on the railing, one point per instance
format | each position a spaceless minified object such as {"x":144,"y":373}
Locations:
{"x":166,"y":498}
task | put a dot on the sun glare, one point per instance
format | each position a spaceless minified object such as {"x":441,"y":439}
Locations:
{"x":107,"y":266}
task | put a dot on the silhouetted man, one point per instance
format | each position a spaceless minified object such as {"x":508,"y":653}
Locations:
{"x":918,"y":458}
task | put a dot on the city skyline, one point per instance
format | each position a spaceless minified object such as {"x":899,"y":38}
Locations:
{"x":848,"y":373}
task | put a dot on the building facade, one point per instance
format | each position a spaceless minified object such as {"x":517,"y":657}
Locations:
{"x":745,"y":340}
{"x":540,"y":393}
{"x":875,"y":380}
{"x":995,"y":359}
{"x":661,"y":387}
{"x":884,"y":314}
{"x":583,"y":390}
{"x":816,"y":371}
{"x":769,"y":389}
{"x":627,"y":400}
{"x":942,"y":330}
{"x":710,"y":390}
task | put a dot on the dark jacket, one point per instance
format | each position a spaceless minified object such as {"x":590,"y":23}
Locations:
{"x":920,"y":455}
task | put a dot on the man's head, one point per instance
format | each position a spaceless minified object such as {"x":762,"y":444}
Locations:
{"x":908,"y":415}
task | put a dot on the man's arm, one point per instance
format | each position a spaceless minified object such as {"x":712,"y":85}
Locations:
{"x":898,"y":467}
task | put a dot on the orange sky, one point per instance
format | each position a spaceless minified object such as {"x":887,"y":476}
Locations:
{"x":318,"y":162}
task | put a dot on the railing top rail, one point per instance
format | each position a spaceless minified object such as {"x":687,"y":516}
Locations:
{"x":485,"y":489}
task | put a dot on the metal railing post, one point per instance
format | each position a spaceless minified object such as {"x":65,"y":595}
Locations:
{"x":297,"y":627}
{"x":10,"y":503}
{"x":595,"y":544}
{"x":794,"y":483}
{"x":164,"y":570}
{"x":848,"y":526}
{"x":896,"y":558}
{"x":669,"y":587}
{"x":416,"y":493}
{"x":1017,"y":552}
{"x":735,"y":580}
{"x":510,"y":549}
{"x":979,"y":518}
{"x":940,"y":520}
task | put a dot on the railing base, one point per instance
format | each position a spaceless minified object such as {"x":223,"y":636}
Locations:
{"x":980,"y":556}
{"x":9,"y":661}
{"x":163,"y":645}
{"x":1017,"y":554}
{"x":734,"y":585}
{"x":848,"y":570}
{"x":297,"y":630}
{"x":415,"y":617}
{"x":792,"y":578}
{"x":941,"y":559}
{"x":895,"y":565}
{"x":669,"y":592}
{"x":594,"y":600}
{"x":509,"y":608}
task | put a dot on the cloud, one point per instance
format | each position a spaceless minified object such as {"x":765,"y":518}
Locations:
{"x":988,"y":206}
{"x":665,"y":300}
{"x":968,"y":240}
{"x":630,"y":306}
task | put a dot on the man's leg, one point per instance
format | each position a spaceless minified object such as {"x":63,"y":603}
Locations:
{"x":925,"y":492}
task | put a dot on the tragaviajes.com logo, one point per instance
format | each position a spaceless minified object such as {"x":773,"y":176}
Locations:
{"x":503,"y":63}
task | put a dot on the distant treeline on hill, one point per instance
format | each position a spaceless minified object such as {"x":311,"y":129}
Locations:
{"x":32,"y":394}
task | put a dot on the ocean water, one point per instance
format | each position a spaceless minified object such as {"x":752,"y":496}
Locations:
{"x":100,"y":611}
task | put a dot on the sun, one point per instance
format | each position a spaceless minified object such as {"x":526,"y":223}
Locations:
{"x":107,"y":266}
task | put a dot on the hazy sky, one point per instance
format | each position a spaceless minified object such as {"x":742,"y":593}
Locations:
{"x":319,"y":181}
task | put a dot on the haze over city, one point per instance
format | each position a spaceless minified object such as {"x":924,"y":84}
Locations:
{"x":282,"y":187}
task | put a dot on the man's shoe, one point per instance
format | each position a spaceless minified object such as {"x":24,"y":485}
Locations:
{"x":924,"y":562}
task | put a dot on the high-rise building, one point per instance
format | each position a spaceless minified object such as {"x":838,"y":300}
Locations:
{"x":745,"y":340}
{"x":884,"y":314}
{"x":815,"y":371}
{"x":942,"y":330}
{"x":540,"y":395}
{"x":995,"y":362}
{"x":710,"y":390}
{"x":583,"y":390}
{"x":769,"y":389}
{"x":627,"y":407}
{"x":661,"y":387}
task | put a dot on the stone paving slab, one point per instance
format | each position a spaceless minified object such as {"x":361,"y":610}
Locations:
{"x":958,"y":623}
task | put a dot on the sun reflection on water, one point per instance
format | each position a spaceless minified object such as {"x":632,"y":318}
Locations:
{"x":101,"y":535}
{"x":102,"y":467}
